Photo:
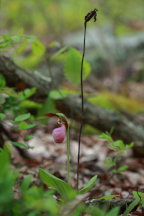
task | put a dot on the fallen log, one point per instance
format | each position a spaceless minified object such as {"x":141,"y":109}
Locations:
{"x":98,"y":117}
{"x":15,"y":74}
{"x":11,"y":138}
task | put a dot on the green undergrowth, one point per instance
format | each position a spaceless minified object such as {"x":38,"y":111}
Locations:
{"x":33,"y":200}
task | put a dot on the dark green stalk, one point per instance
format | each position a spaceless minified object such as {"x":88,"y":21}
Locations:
{"x":88,"y":17}
{"x":82,"y":106}
{"x":68,"y":156}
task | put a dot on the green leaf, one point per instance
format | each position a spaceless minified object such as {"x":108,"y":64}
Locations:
{"x":62,"y":187}
{"x":19,"y":144}
{"x":119,"y":143}
{"x":106,"y":137}
{"x":2,"y":81}
{"x":2,"y":116}
{"x":22,"y":117}
{"x":61,"y":115}
{"x":121,"y":169}
{"x":107,"y":197}
{"x":38,"y":48}
{"x":109,"y":162}
{"x":138,"y":194}
{"x":72,"y":66}
{"x":113,"y":212}
{"x":128,"y":146}
{"x":8,"y":91}
{"x":30,"y":104}
{"x":59,"y":52}
{"x":111,"y":130}
{"x":56,"y":94}
{"x":48,"y":106}
{"x":25,"y":183}
{"x":21,"y":48}
{"x":16,"y":38}
{"x":25,"y":126}
{"x":98,"y":212}
{"x":89,"y":185}
{"x":29,"y":92}
{"x":28,"y":137}
{"x":6,"y":37}
{"x":54,"y":44}
{"x":131,"y":207}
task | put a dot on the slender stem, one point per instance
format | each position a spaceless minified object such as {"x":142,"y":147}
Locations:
{"x":68,"y":157}
{"x":82,"y":107}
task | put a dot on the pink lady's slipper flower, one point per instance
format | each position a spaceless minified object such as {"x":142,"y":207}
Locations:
{"x":59,"y":134}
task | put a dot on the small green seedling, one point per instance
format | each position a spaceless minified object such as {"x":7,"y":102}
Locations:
{"x":120,"y":148}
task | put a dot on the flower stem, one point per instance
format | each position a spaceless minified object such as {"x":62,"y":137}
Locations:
{"x":82,"y":107}
{"x":68,"y":156}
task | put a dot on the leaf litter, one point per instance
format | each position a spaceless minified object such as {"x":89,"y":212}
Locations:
{"x":52,"y":157}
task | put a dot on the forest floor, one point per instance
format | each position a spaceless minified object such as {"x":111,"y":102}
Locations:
{"x":52,"y":157}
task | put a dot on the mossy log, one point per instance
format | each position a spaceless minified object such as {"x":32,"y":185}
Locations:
{"x":95,"y":116}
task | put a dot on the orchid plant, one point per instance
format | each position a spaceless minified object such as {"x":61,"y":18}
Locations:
{"x":64,"y":188}
{"x":59,"y":135}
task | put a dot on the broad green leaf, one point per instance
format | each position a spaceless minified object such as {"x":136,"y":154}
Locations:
{"x":72,"y":66}
{"x":89,"y":185}
{"x":131,"y":207}
{"x":113,"y":212}
{"x":22,"y":117}
{"x":107,"y":197}
{"x":62,"y":187}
